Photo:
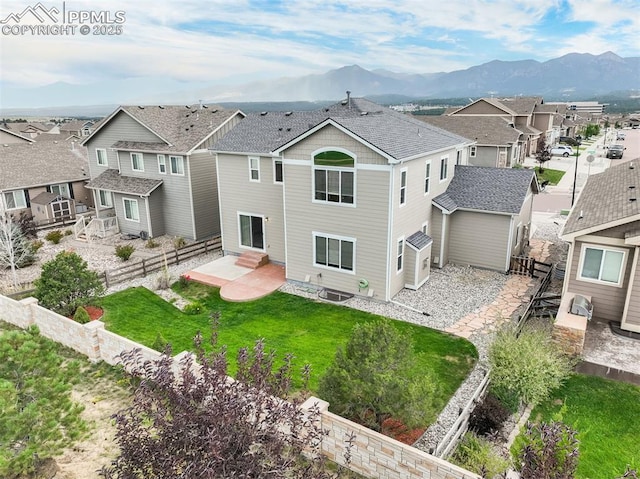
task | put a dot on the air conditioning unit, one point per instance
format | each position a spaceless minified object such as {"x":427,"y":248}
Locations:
{"x":581,"y":306}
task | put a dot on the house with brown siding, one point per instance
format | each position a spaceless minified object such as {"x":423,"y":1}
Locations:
{"x":342,"y":196}
{"x":603,"y":231}
{"x":151,"y":168}
{"x":44,"y":180}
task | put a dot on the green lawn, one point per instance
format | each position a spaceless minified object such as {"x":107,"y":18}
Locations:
{"x":311,"y":330}
{"x":553,"y":176}
{"x":606,"y":415}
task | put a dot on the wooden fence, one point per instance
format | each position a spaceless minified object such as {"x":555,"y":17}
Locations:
{"x":528,"y":266}
{"x":156,"y":263}
{"x":536,"y":298}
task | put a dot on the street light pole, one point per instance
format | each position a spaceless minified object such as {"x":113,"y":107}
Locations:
{"x":575,"y":173}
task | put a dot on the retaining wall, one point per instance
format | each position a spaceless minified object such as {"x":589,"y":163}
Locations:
{"x":372,"y":455}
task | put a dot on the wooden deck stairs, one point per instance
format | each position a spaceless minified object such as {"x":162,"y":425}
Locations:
{"x":252,"y":259}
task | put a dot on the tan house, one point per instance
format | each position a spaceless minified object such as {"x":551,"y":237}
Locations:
{"x":44,"y":180}
{"x":497,"y":142}
{"x":529,"y":115}
{"x":151,"y":170}
{"x":343,"y":196}
{"x":603,"y":230}
{"x":484,"y":217}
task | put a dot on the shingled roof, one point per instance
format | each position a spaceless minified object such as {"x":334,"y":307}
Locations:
{"x":111,"y":180}
{"x":397,"y":135}
{"x":485,"y":130}
{"x":182,"y":128}
{"x":27,"y":165}
{"x":495,"y":190}
{"x":607,"y":200}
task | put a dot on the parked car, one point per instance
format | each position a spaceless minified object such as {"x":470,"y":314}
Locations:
{"x":568,"y":140}
{"x":620,"y":136}
{"x":615,"y":151}
{"x":561,"y":150}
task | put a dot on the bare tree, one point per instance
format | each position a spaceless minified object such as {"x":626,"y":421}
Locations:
{"x":15,"y":248}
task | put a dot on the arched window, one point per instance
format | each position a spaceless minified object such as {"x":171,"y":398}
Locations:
{"x":334,"y":177}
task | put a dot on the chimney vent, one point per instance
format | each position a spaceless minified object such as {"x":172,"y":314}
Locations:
{"x":349,"y":99}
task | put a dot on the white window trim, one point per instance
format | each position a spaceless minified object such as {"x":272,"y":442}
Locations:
{"x":61,"y":186}
{"x":124,"y":211}
{"x":13,"y":193}
{"x":334,"y":168}
{"x":251,"y":169}
{"x":110,"y":196}
{"x":132,"y":154}
{"x":472,"y":151}
{"x":274,"y":171}
{"x":427,"y":164}
{"x":623,"y":266}
{"x":336,"y":237}
{"x":264,"y":232}
{"x":162,"y":162}
{"x":403,"y":188}
{"x":181,"y":158}
{"x":400,"y":254}
{"x":444,"y":160}
{"x":106,"y":159}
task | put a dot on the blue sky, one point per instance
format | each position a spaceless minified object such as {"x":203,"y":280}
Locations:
{"x":226,"y":41}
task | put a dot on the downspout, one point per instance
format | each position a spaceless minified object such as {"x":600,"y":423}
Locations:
{"x":443,"y":239}
{"x":389,"y":236}
{"x":220,"y":210}
{"x":147,"y":199}
{"x":509,"y":246}
{"x":193,"y":213}
{"x":284,"y":217}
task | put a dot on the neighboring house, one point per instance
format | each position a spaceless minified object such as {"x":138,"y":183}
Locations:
{"x":28,"y":130}
{"x":529,"y":115}
{"x":79,"y":128}
{"x":484,"y":217}
{"x":32,"y":173}
{"x":341,"y":196}
{"x":8,"y":137}
{"x":603,"y":231}
{"x":151,"y":168}
{"x":497,"y":142}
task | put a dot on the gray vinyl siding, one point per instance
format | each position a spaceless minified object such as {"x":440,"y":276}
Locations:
{"x":176,"y":198}
{"x":408,"y":218}
{"x":127,"y":226}
{"x":367,"y":224}
{"x":409,"y":266}
{"x":156,"y":213}
{"x":264,"y":198}
{"x":219,"y":133}
{"x":485,"y":156}
{"x":608,"y":301}
{"x":479,"y":239}
{"x":204,"y":186}
{"x":631,"y":320}
{"x":120,"y":127}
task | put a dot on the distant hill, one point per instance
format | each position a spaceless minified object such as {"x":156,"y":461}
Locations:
{"x":573,"y":76}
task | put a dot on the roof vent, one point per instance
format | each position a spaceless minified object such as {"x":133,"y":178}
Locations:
{"x":632,"y":199}
{"x":580,"y":215}
{"x":188,"y":106}
{"x":363,"y":113}
{"x":214,"y":111}
{"x":141,"y":107}
{"x":632,"y":187}
{"x":288,"y":129}
{"x":343,"y":102}
{"x":288,"y":113}
{"x":204,"y":106}
{"x":263,"y":113}
{"x":161,"y":107}
{"x":326,"y":109}
{"x":631,"y":167}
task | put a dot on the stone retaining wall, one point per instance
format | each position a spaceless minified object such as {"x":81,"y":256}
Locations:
{"x":373,"y":454}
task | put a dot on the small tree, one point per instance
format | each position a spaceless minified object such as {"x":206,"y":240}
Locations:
{"x":543,"y":154}
{"x":550,"y":451}
{"x":369,"y":380}
{"x":15,"y":249}
{"x":525,"y":368}
{"x":200,"y":423}
{"x":66,"y":283}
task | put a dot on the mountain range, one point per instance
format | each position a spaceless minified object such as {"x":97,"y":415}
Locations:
{"x":572,"y":76}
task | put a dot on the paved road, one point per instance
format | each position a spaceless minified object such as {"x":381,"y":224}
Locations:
{"x":557,"y":198}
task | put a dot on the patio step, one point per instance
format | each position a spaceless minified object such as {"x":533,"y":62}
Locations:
{"x":253,"y":260}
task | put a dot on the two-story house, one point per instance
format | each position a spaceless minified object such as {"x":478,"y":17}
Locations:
{"x":529,"y":115}
{"x":342,"y":196}
{"x":151,"y":168}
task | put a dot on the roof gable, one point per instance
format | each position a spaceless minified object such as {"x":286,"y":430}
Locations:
{"x":608,"y":199}
{"x":484,"y":106}
{"x":493,"y":190}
